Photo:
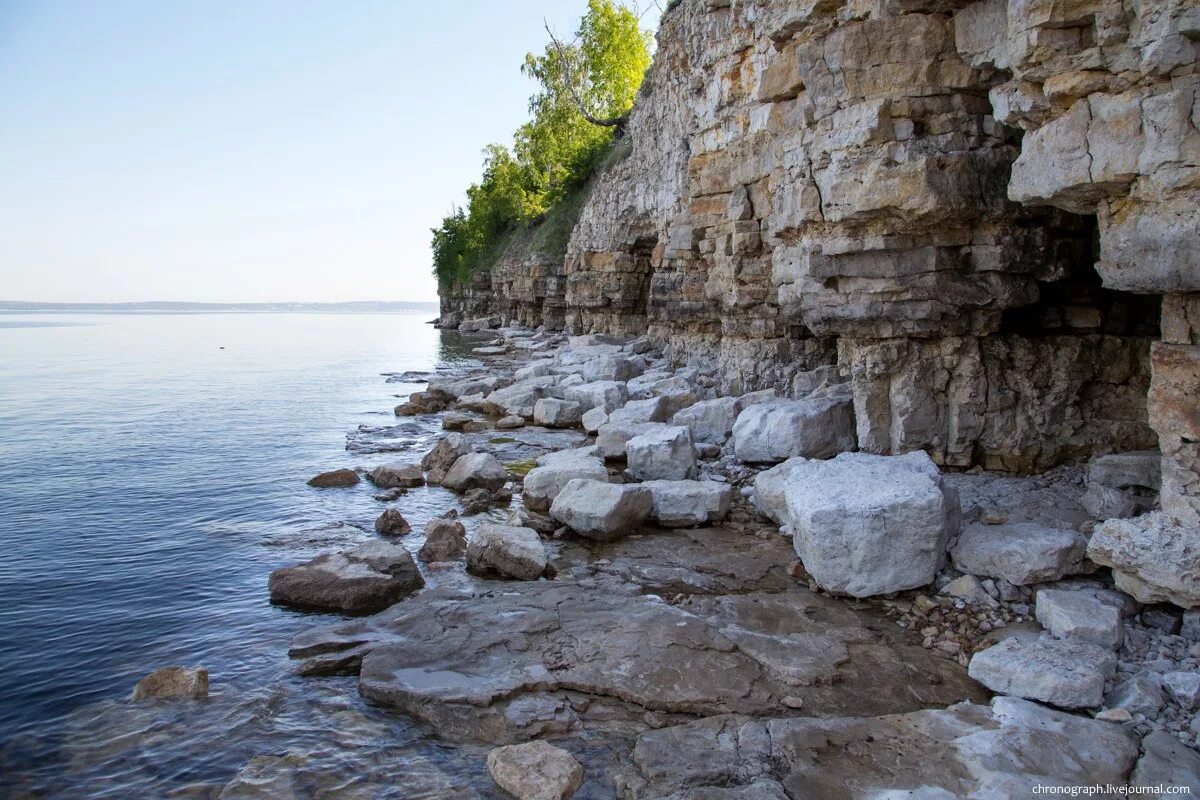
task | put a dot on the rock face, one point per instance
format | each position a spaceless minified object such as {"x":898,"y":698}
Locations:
{"x":866,"y":524}
{"x":392,"y":523}
{"x":508,"y":551}
{"x":172,"y":682}
{"x":1020,"y":553}
{"x":367,"y":578}
{"x":535,"y":771}
{"x":601,"y":510}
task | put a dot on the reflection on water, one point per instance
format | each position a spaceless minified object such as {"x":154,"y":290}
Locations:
{"x":153,"y":474}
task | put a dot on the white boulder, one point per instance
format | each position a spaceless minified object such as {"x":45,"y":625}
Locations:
{"x":1021,"y":553}
{"x":601,"y":510}
{"x":510,"y":551}
{"x":610,"y":395}
{"x":819,"y":426}
{"x":711,"y":421}
{"x":543,"y":483}
{"x":1063,"y":672}
{"x":1153,"y":558}
{"x":866,"y":524}
{"x":476,"y":471}
{"x":770,"y":489}
{"x":652,"y":409}
{"x":593,"y":419}
{"x":554,"y":413}
{"x":1079,"y":615}
{"x":686,"y":503}
{"x":664,"y":453}
{"x":612,"y":437}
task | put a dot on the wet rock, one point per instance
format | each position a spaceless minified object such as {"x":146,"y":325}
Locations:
{"x":664,"y":453}
{"x":543,"y":484}
{"x":508,"y":551}
{"x":445,"y":540}
{"x":172,"y":682}
{"x":397,"y":476}
{"x":430,"y":401}
{"x":865,"y":524}
{"x":509,"y":423}
{"x":268,"y":776}
{"x":479,"y":499}
{"x":600,"y":510}
{"x":554,"y":413}
{"x":1064,"y":672}
{"x":438,"y":461}
{"x":334,"y":479}
{"x":455,"y":421}
{"x":965,"y":750}
{"x":1020,"y":553}
{"x":683,"y":503}
{"x":392,"y":523}
{"x":476,"y":471}
{"x":367,"y":578}
{"x":1138,"y":694}
{"x":535,"y":771}
{"x":1152,"y":558}
{"x":1166,"y":762}
{"x":819,"y":426}
{"x":1076,"y":615}
{"x":609,"y":395}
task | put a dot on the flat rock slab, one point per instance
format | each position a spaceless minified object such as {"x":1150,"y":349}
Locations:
{"x":497,"y":663}
{"x":1020,"y":553}
{"x":967,"y":750}
{"x":1063,"y":672}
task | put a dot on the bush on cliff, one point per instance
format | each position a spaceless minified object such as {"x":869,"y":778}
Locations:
{"x":586,"y":89}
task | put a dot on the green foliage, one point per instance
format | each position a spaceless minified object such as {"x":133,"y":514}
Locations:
{"x":543,"y":177}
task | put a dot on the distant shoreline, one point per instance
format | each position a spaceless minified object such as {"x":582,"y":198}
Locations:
{"x":164,"y":307}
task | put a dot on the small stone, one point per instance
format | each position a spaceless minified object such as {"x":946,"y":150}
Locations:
{"x":392,"y":523}
{"x":791,"y":701}
{"x":535,"y":771}
{"x":172,"y":682}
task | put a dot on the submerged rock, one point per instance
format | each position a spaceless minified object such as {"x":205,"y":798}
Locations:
{"x":535,"y":771}
{"x":866,"y":524}
{"x":334,"y":479}
{"x":172,"y":682}
{"x":367,"y":578}
{"x":512,"y":552}
{"x":601,"y":510}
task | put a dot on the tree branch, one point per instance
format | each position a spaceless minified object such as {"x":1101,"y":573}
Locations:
{"x":569,"y":79}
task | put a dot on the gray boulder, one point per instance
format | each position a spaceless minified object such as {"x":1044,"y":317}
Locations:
{"x":476,"y":471}
{"x":397,"y":476}
{"x":172,"y":683}
{"x":601,"y":510}
{"x":1069,"y":673}
{"x":334,"y":479}
{"x":445,"y":540}
{"x":612,"y":437}
{"x":1021,"y":553}
{"x":368,"y":578}
{"x":1138,"y":694}
{"x":609,"y":395}
{"x":1183,"y":688}
{"x":509,"y":551}
{"x":685,"y":503}
{"x":554,"y":413}
{"x":664,"y":453}
{"x":438,"y":461}
{"x":610,"y":368}
{"x":1078,"y":615}
{"x":710,"y":421}
{"x":392,"y":523}
{"x":819,"y":426}
{"x":542,"y":484}
{"x":770,"y":489}
{"x":1153,"y":558}
{"x":1165,"y":761}
{"x":652,"y":409}
{"x":865,"y":524}
{"x":593,"y":418}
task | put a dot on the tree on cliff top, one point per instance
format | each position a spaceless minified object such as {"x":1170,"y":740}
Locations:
{"x":594,"y":78}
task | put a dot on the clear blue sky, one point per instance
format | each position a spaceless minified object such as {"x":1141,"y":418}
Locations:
{"x":248,"y":150}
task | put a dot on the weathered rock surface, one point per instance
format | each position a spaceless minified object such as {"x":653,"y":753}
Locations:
{"x":866,"y":524}
{"x":1152,"y":557}
{"x":1166,"y":762}
{"x":445,"y":540}
{"x":1063,"y":672}
{"x":1020,"y":553}
{"x":600,"y":510}
{"x":682,"y":503}
{"x":770,"y":490}
{"x":663,"y":453}
{"x":965,"y":750}
{"x":366,"y":578}
{"x":475,"y":471}
{"x":1077,"y":615}
{"x":816,"y":427}
{"x":334,"y":479}
{"x":172,"y":682}
{"x":509,"y":551}
{"x":710,"y":421}
{"x":609,"y":395}
{"x":535,"y":771}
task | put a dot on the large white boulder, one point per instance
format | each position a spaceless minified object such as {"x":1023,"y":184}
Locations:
{"x":519,"y":398}
{"x":542,"y":484}
{"x":1079,"y":615}
{"x":554,"y":413}
{"x":612,"y":437}
{"x":1153,"y":558}
{"x":601,"y":510}
{"x":510,"y":551}
{"x":610,"y":395}
{"x":770,"y":489}
{"x":819,"y":426}
{"x":476,"y":471}
{"x":665,"y":453}
{"x":1020,"y":553}
{"x":685,"y":503}
{"x":866,"y":524}
{"x":1063,"y":672}
{"x":711,"y":421}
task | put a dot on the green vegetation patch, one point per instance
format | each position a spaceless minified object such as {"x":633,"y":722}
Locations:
{"x":521,"y":468}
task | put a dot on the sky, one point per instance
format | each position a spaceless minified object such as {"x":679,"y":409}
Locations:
{"x":248,"y":150}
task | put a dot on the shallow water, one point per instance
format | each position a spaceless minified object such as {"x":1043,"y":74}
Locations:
{"x":152,"y":474}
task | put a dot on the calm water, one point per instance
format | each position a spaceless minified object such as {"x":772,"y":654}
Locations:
{"x":152,"y":474}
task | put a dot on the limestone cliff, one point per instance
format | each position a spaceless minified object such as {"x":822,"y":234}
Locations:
{"x":974,"y":209}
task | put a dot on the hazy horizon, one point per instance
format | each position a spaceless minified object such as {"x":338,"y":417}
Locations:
{"x":244,"y":152}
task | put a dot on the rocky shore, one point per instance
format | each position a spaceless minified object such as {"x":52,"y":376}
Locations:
{"x":737,"y":603}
